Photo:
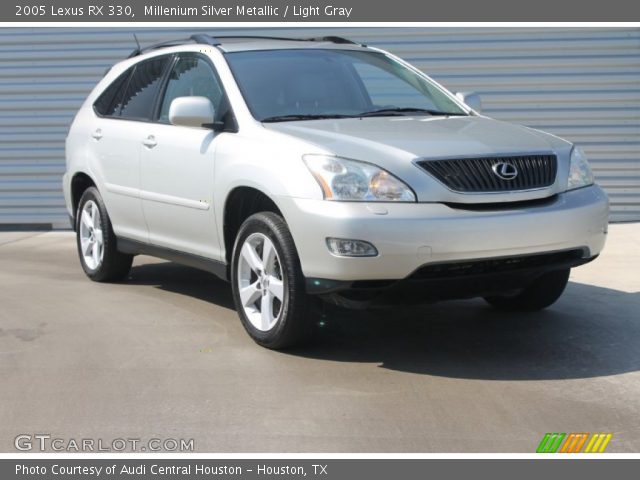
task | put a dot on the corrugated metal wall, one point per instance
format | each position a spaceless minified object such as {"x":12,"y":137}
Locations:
{"x":581,"y":84}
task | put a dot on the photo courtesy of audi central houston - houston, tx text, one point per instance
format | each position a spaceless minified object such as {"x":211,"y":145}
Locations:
{"x":294,"y":240}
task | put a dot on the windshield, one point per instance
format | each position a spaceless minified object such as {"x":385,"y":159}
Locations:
{"x":304,"y":84}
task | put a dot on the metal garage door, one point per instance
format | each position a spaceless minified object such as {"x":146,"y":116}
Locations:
{"x":582,"y":84}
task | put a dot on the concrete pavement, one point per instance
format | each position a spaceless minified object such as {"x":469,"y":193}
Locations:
{"x":164,"y":355}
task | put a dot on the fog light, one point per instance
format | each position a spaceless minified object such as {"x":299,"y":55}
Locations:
{"x":344,"y":247}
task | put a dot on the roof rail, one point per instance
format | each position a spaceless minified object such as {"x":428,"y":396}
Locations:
{"x":198,"y":39}
{"x":333,"y":39}
{"x":203,"y":38}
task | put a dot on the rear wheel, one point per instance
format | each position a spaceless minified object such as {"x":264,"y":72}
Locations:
{"x":96,"y":241}
{"x":543,"y":292}
{"x":268,"y":285}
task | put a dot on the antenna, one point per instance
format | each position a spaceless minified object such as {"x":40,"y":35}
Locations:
{"x":137,"y":42}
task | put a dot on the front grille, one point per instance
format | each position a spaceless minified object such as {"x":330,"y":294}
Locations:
{"x":477,"y":174}
{"x":499,"y":265}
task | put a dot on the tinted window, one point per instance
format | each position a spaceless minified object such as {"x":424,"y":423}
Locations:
{"x":108,"y":104}
{"x":141,"y":91}
{"x":387,"y":89}
{"x":286,"y":82}
{"x":192,"y":76}
{"x":331,"y":82}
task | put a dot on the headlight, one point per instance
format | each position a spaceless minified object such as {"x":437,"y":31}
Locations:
{"x":579,"y":172}
{"x":342,"y":179}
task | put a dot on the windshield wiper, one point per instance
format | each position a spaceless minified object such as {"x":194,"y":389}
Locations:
{"x":293,"y":117}
{"x":382,"y":112}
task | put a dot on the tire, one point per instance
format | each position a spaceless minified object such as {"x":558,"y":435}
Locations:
{"x":544,"y":291}
{"x":258,"y":280}
{"x":99,"y":257}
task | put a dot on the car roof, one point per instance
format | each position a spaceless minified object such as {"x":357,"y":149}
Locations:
{"x":239,"y":43}
{"x":247,"y":44}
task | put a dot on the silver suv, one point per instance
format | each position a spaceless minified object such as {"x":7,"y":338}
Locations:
{"x":303,"y":169}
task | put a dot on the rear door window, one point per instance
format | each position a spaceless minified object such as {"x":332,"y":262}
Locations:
{"x":142,"y":89}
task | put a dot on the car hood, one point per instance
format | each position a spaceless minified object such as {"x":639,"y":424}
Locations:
{"x":394,"y":143}
{"x":418,"y":137}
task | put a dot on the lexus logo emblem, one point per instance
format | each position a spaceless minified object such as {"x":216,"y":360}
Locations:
{"x":505,"y":171}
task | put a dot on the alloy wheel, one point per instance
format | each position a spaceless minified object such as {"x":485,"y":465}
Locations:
{"x":261,"y":282}
{"x":91,"y":237}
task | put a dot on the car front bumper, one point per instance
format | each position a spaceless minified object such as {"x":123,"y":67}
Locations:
{"x":409,"y":236}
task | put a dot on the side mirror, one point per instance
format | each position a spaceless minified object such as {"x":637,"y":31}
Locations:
{"x":471,"y":100}
{"x":191,"y":112}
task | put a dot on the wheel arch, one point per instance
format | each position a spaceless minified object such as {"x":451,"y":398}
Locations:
{"x":242,"y":202}
{"x":80,"y":182}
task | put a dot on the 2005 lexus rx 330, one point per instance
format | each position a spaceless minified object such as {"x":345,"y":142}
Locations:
{"x":321,"y":168}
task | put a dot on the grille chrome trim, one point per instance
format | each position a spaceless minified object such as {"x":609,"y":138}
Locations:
{"x":476,"y":175}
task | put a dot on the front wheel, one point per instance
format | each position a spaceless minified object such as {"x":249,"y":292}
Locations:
{"x":268,"y":285}
{"x":544,"y":291}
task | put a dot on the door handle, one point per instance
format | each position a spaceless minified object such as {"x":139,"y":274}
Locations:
{"x":150,"y":141}
{"x":97,"y":134}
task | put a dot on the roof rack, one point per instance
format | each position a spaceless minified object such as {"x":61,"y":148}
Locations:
{"x":333,"y":39}
{"x":204,"y":39}
{"x":197,"y":39}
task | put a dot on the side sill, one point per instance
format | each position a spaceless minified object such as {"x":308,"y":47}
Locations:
{"x":134,"y":247}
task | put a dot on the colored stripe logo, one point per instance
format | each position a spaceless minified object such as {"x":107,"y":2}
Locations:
{"x":574,"y":443}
